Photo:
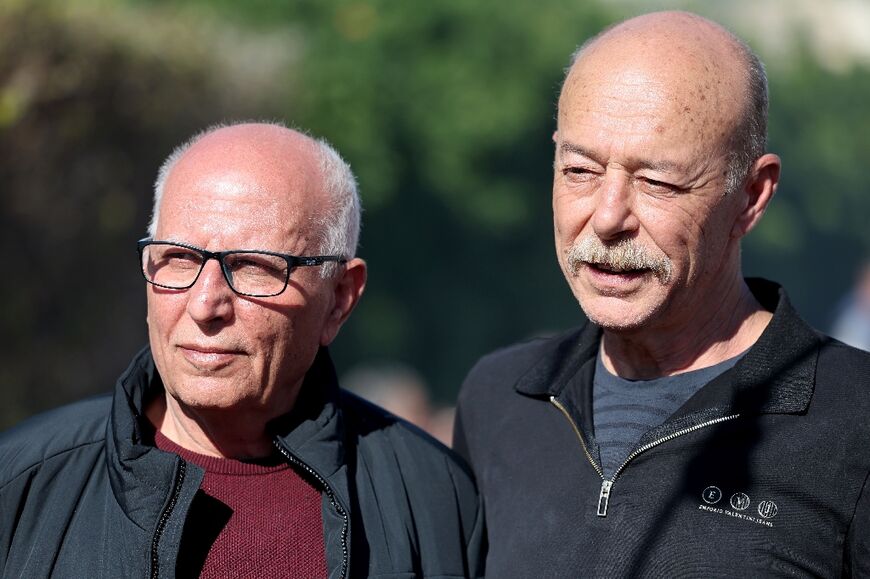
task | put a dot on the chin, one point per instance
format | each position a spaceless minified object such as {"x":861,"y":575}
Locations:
{"x":618,"y":315}
{"x":206,"y":394}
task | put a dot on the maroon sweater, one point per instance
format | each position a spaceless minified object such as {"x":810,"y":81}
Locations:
{"x":250,"y":519}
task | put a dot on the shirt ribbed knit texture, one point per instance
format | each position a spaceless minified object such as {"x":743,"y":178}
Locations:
{"x":250,"y":519}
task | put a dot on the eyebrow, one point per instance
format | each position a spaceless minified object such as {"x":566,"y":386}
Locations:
{"x":655,"y":165}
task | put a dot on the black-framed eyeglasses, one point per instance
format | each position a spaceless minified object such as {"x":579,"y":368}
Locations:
{"x":249,"y":272}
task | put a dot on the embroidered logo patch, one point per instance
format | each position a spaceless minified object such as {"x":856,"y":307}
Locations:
{"x":738,"y":503}
{"x":767,"y":509}
{"x":712,"y":495}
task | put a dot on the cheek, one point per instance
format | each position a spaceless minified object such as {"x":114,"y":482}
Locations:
{"x":672,"y":227}
{"x":273,"y":332}
{"x":570,"y":215}
{"x":283,"y":346}
{"x":162,"y":311}
{"x":153,"y":313}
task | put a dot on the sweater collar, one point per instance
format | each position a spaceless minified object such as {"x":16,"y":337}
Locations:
{"x":776,"y":375}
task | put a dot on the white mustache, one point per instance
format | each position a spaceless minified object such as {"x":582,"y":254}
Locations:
{"x":625,"y":255}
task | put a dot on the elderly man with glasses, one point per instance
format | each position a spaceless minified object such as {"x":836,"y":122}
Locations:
{"x":228,"y":449}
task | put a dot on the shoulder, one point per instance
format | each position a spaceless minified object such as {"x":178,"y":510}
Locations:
{"x":418,"y":494}
{"x":835,"y":352}
{"x":844,"y":368}
{"x":497,"y":372}
{"x":406,"y":469}
{"x":393,"y":453}
{"x":382,"y":436}
{"x":53,"y":434}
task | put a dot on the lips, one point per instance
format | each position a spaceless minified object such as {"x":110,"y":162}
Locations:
{"x":208,"y":357}
{"x":615,"y":269}
{"x":613,"y":282}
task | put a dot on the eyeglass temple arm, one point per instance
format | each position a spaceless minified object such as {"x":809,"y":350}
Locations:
{"x":319,"y":259}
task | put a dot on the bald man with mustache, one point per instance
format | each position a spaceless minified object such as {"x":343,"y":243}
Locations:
{"x":696,"y":426}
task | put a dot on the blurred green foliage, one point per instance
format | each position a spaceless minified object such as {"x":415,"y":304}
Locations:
{"x":88,"y":108}
{"x":444,"y":109}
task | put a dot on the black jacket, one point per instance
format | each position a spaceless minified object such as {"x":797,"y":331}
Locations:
{"x":84,"y":493}
{"x":762,"y":473}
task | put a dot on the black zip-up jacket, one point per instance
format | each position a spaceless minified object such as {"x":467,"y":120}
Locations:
{"x":762,"y":473}
{"x":84,"y":493}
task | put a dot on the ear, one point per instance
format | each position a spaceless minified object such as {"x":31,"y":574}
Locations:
{"x":757,"y":192}
{"x":348,"y":289}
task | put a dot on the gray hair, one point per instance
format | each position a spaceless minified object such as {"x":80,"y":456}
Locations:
{"x":340,"y":225}
{"x":748,"y":140}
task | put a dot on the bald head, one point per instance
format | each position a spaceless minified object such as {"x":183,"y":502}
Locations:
{"x":710,"y":75}
{"x":274,"y":158}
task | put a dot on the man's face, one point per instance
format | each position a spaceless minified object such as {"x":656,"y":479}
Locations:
{"x":642,"y":229}
{"x":217,"y":350}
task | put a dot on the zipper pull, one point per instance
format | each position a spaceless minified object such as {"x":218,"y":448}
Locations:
{"x":604,"y":497}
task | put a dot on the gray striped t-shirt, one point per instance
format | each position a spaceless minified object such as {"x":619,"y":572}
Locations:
{"x":624,"y":410}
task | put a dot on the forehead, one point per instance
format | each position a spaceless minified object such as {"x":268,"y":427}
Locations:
{"x":229,"y":193}
{"x":654,"y":82}
{"x":643,"y":100}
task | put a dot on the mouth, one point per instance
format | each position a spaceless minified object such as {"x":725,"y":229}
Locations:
{"x":208,"y":357}
{"x":616,"y":270}
{"x":617,"y":264}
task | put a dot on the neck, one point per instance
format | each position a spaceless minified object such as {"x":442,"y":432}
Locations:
{"x":222,"y":433}
{"x":727,"y":330}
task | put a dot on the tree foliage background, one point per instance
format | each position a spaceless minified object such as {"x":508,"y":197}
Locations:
{"x":444,"y":109}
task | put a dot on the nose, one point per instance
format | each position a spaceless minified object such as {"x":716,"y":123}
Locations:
{"x":211,"y":298}
{"x":614,"y":215}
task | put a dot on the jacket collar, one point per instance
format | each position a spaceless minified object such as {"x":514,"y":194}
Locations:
{"x":312,"y":432}
{"x":776,"y":375}
{"x":142,"y":477}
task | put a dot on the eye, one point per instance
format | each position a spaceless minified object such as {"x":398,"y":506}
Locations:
{"x":578,"y":174}
{"x":657,"y":187}
{"x":178,"y":254}
{"x":177,"y":258}
{"x":256,"y":264}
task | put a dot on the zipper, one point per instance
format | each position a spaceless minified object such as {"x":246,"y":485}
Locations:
{"x":329,"y":493}
{"x":607,"y":485}
{"x":164,"y":518}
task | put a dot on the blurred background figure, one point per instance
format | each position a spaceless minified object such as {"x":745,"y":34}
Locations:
{"x":401,"y":390}
{"x":441,"y":424}
{"x":852,"y":322}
